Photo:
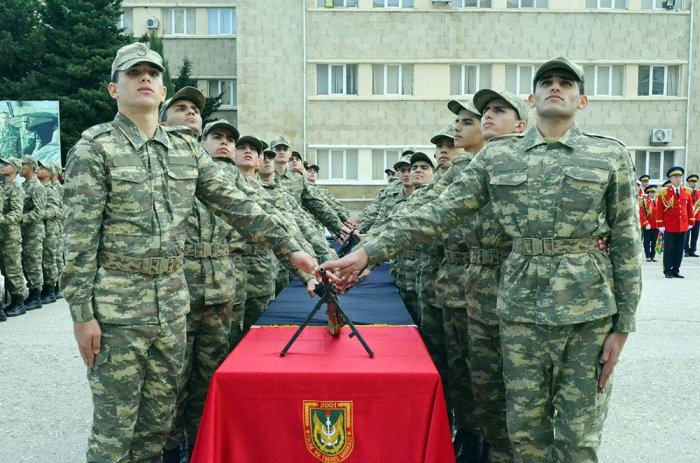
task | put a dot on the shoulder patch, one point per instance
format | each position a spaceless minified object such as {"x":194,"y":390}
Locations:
{"x":595,"y":135}
{"x":97,"y":130}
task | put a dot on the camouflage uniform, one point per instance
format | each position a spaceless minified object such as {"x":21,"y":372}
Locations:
{"x":30,"y":141}
{"x":10,"y":143}
{"x":59,"y":221}
{"x":51,"y":215}
{"x":559,"y":296}
{"x":127,"y":199}
{"x":338,"y":207}
{"x":11,"y":235}
{"x":371,"y":210}
{"x":33,"y":232}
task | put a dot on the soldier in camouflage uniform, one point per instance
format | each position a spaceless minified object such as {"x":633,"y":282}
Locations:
{"x":129,"y":191}
{"x":56,"y":171}
{"x":337,"y":206}
{"x":30,"y":140}
{"x":33,"y":231}
{"x":51,"y":236}
{"x":554,"y":191}
{"x":11,"y":235}
{"x":10,"y":141}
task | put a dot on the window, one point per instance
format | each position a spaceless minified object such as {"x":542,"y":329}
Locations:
{"x":382,"y":160}
{"x":126,"y":21}
{"x":604,"y":80}
{"x":228,"y":88}
{"x":519,"y":79}
{"x":659,"y":80}
{"x":221,"y":21}
{"x":393,"y":3}
{"x":654,"y":163}
{"x":471,"y":3}
{"x":659,"y":5}
{"x":392,"y":79}
{"x":469,"y":79}
{"x":336,"y":79}
{"x":528,"y":3}
{"x":179,"y":21}
{"x":606,"y":4}
{"x":336,"y":3}
{"x":337,"y":164}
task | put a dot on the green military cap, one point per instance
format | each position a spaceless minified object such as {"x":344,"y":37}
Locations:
{"x":644,"y":178}
{"x":314,"y":167}
{"x":131,"y":55}
{"x":44,"y":165}
{"x":388,"y":171}
{"x":675,"y":170}
{"x":221,"y":124}
{"x":14,"y":162}
{"x":265,"y":145}
{"x":251,"y":140}
{"x":30,"y":160}
{"x":421,"y":156}
{"x":185,"y":93}
{"x":692,"y":178}
{"x":483,"y":97}
{"x":296,"y":154}
{"x":560,"y":62}
{"x":281,"y":140}
{"x":447,"y":132}
{"x":404,"y":159}
{"x":407,"y":151}
{"x":457,"y":106}
{"x":269,"y":154}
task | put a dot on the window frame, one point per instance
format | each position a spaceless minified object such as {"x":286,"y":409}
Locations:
{"x":647,"y":158}
{"x":534,"y":7}
{"x":385,"y":153}
{"x":666,"y":77}
{"x":345,"y":4}
{"x":478,"y":4}
{"x":233,"y":84}
{"x":677,"y":7}
{"x":172,"y":20}
{"x":594,"y":90}
{"x":517,"y":75}
{"x":604,"y":8}
{"x":329,"y":152}
{"x":401,"y":5}
{"x":233,"y":19}
{"x":400,"y":83}
{"x":329,"y":75}
{"x":479,"y":67}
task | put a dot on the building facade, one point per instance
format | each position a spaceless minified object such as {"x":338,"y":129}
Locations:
{"x":351,"y":82}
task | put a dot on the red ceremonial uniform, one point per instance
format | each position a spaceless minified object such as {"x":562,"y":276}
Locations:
{"x":648,"y":213}
{"x":675,"y":213}
{"x":694,"y":197}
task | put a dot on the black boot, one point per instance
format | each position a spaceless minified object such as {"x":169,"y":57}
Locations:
{"x":16,"y":307}
{"x":33,"y":301}
{"x":171,"y":455}
{"x":47,"y":296}
{"x":57,"y":292}
{"x":468,"y":447}
{"x":3,"y":317}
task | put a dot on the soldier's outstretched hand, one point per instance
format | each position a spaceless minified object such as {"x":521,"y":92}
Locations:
{"x":304,"y":262}
{"x":349,"y":267}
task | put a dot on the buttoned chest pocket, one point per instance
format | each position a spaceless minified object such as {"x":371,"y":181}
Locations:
{"x":182,"y":180}
{"x":130,"y":192}
{"x":508,"y":184}
{"x":584,"y":186}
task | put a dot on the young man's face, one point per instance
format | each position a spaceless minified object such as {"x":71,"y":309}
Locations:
{"x":268,"y":165}
{"x":693,"y":184}
{"x":296,"y":164}
{"x":676,"y":180}
{"x":26,"y":170}
{"x":8,"y":169}
{"x":645,"y":183}
{"x":283,"y":152}
{"x":312,"y":175}
{"x":220,"y":142}
{"x":139,"y":88}
{"x":4,"y":119}
{"x":557,"y":95}
{"x":499,"y":118}
{"x":652,"y":194}
{"x":246,"y":156}
{"x":43,"y":174}
{"x":445,"y":150}
{"x":184,"y":112}
{"x":421,"y":173}
{"x":467,"y":130}
{"x":404,"y":173}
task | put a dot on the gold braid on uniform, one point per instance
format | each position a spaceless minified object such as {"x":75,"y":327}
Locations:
{"x":667,"y":204}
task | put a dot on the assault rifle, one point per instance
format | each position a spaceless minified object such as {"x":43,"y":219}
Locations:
{"x":349,"y":243}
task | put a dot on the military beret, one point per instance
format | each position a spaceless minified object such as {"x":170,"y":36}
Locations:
{"x":675,"y":170}
{"x":692,"y":178}
{"x":131,"y":55}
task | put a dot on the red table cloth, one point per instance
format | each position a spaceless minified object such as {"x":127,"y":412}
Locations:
{"x":326,"y":400}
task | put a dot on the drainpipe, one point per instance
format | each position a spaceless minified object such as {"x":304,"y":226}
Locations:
{"x":303,"y":91}
{"x":690,"y":78}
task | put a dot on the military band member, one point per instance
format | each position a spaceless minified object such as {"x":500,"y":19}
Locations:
{"x":674,"y":217}
{"x":691,"y":244}
{"x":643,"y":184}
{"x":648,"y":221}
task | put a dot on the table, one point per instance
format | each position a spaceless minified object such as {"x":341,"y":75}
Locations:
{"x":326,"y":400}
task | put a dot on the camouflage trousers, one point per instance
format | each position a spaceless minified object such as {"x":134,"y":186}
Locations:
{"x":284,"y":277}
{"x":240,"y":295}
{"x":458,"y":364}
{"x":555,"y":410}
{"x":60,"y":263}
{"x":11,"y":260}
{"x":410,"y":300}
{"x":48,"y":259}
{"x":208,"y":330}
{"x":134,"y":390}
{"x":32,"y":251}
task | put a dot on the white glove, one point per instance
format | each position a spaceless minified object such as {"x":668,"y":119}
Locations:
{"x":662,"y":229}
{"x":690,"y":227}
{"x":648,"y":227}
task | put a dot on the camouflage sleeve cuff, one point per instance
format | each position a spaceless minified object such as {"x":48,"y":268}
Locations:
{"x":287,"y":247}
{"x":374,"y":251}
{"x":624,"y":323}
{"x":81,"y":312}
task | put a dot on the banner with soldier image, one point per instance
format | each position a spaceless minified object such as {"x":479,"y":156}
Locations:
{"x":30,"y":128}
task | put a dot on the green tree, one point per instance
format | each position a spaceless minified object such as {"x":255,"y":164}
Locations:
{"x":21,"y":38}
{"x":185,"y":79}
{"x":155,"y":43}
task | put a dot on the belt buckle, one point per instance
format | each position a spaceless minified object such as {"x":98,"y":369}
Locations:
{"x":154,"y":265}
{"x":493,"y":256}
{"x":171,"y":264}
{"x":535,"y":246}
{"x":547,"y":246}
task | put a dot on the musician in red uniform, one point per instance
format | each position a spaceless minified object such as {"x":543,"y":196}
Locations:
{"x":674,"y":218}
{"x":644,"y":182}
{"x":691,"y":243}
{"x":647,"y":218}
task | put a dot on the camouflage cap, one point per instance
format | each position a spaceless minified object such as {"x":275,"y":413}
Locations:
{"x":483,"y":97}
{"x":265,"y":145}
{"x":421,"y":156}
{"x":251,"y":140}
{"x":296,"y":154}
{"x":14,"y":162}
{"x":269,"y":153}
{"x":221,"y":124}
{"x":406,"y":151}
{"x":387,"y":171}
{"x":185,"y":93}
{"x":560,"y":62}
{"x":31,"y":161}
{"x":404,"y":159}
{"x":457,"y":106}
{"x":131,"y":55}
{"x":314,"y":167}
{"x":44,"y":165}
{"x":447,"y":132}
{"x":281,"y":140}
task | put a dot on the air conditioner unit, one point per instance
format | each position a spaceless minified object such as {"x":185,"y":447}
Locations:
{"x":661,"y":136}
{"x":152,"y":23}
{"x":668,"y":4}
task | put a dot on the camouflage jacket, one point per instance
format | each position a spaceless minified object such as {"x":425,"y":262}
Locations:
{"x":300,"y":189}
{"x":10,"y":143}
{"x":338,"y":207}
{"x":53,"y":209}
{"x":34,"y":203}
{"x":30,"y":141}
{"x":380,"y":214}
{"x":12,"y":205}
{"x":560,"y":197}
{"x":127,"y":198}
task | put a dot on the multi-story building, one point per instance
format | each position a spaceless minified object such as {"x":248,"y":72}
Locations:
{"x":351,"y":82}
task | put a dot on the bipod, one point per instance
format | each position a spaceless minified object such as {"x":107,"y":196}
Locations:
{"x":336,"y":316}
